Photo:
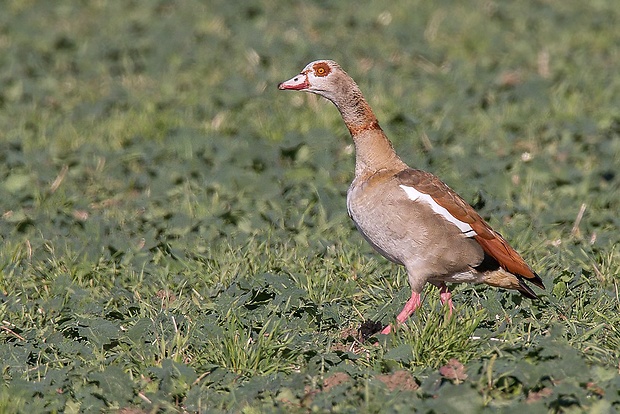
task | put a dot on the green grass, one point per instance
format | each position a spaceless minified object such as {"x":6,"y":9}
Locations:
{"x":174,"y":230}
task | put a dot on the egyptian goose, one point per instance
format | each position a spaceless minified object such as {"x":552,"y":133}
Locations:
{"x":410,"y":216}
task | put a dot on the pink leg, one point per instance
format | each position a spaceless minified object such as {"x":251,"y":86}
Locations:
{"x":412,"y":304}
{"x":446,"y":297}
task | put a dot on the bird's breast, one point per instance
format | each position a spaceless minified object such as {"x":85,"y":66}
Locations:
{"x":391,"y":230}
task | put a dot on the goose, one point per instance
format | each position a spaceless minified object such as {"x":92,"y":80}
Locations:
{"x":410,"y":216}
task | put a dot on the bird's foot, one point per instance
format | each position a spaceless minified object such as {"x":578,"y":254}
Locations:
{"x":412,"y":304}
{"x":445,"y":296}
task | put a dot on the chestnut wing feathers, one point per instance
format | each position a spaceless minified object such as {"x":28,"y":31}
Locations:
{"x":491,"y":241}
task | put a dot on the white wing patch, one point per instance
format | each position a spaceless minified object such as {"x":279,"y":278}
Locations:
{"x":415,"y":195}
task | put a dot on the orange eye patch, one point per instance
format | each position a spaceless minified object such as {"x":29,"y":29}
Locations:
{"x":321,"y":69}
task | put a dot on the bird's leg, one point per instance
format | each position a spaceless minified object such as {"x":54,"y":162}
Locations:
{"x":412,"y":304}
{"x":446,"y":297}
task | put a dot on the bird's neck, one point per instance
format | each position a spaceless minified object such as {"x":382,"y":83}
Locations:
{"x":373,"y":149}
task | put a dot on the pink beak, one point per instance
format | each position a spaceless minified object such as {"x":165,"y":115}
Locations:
{"x":297,"y":83}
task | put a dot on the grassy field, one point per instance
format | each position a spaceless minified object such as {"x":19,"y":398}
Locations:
{"x":174,"y":229}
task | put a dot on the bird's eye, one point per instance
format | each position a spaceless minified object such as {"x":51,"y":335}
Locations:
{"x":321,"y":69}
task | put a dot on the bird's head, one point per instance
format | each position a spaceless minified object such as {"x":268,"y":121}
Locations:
{"x":321,"y":77}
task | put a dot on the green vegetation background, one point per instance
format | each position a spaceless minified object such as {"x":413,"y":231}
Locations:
{"x":174,"y":230}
